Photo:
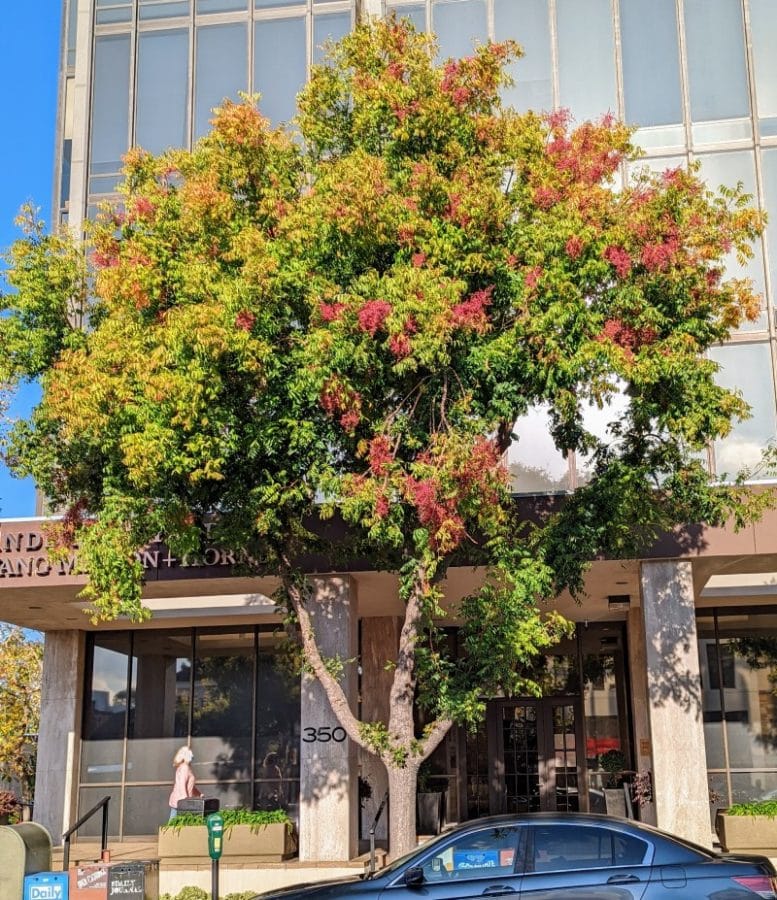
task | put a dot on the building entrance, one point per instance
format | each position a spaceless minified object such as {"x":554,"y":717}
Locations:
{"x":536,"y":765}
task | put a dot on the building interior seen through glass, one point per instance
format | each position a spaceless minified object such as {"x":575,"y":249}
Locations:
{"x":227,"y":693}
{"x":738,"y":660}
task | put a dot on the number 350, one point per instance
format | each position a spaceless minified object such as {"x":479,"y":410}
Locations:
{"x":323,"y":735}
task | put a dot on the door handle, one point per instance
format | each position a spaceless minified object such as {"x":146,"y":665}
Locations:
{"x":623,"y":879}
{"x":497,"y":890}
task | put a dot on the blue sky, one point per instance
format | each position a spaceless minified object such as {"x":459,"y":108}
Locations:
{"x":29,"y":53}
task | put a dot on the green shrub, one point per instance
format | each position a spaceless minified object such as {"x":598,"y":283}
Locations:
{"x":756,"y":808}
{"x":187,"y":893}
{"x":255,"y":818}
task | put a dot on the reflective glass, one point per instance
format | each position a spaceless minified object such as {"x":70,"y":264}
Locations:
{"x":110,"y":102}
{"x":488,"y":852}
{"x":712,"y":715}
{"x":528,"y":22}
{"x":152,"y":9}
{"x":328,"y":28}
{"x":146,"y":807}
{"x":730,"y":169}
{"x":769,"y":174}
{"x":415,"y":12}
{"x":716,"y":59}
{"x":651,"y":62}
{"x":747,"y":368}
{"x":111,"y":16}
{"x":87,"y":797}
{"x":214,"y":6}
{"x":105,"y":713}
{"x":263,"y":4}
{"x":534,"y":463}
{"x":279,"y":46}
{"x":72,"y":23}
{"x":586,"y":58}
{"x":220,"y":70}
{"x":162,"y":88}
{"x":459,"y":25}
{"x":763,"y":21}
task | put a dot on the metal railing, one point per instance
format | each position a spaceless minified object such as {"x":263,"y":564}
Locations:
{"x":374,"y":825}
{"x":84,"y":818}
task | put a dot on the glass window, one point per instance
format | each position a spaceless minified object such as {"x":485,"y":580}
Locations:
{"x":557,"y":848}
{"x":162,"y":90}
{"x":534,"y":463}
{"x":163,"y":9}
{"x":220,"y":70}
{"x":528,"y":22}
{"x":712,"y":710}
{"x":327,"y":28}
{"x":586,"y":58}
{"x":223,"y":689}
{"x":487,"y":853}
{"x":160,"y":692}
{"x":415,"y":12}
{"x":279,"y":47}
{"x":716,"y":60}
{"x":599,"y":421}
{"x":763,"y":21}
{"x":87,"y":798}
{"x":730,"y":169}
{"x":110,"y":104}
{"x":459,"y":24}
{"x":215,"y":6}
{"x":262,"y":4}
{"x":769,"y":173}
{"x":651,"y":62}
{"x":72,"y":27}
{"x":746,"y":368}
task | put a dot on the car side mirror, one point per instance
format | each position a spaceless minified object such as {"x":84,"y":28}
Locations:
{"x":414,"y":877}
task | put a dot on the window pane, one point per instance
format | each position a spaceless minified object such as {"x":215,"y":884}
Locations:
{"x":110,"y":103}
{"x":716,"y":59}
{"x":159,"y":703}
{"x":527,"y":22}
{"x":459,"y":24}
{"x":280,"y":66}
{"x":709,"y":666}
{"x":586,"y":58}
{"x":651,"y":62}
{"x":87,"y":797}
{"x":220,"y":71}
{"x":212,"y":6}
{"x":146,"y":808}
{"x":747,"y":368}
{"x":163,"y":67}
{"x":328,"y":28}
{"x":223,"y":699}
{"x":763,"y":19}
{"x":261,"y":4}
{"x":416,"y":13}
{"x":729,"y":169}
{"x":489,"y":852}
{"x":769,"y":171}
{"x":151,"y":9}
{"x":534,"y":463}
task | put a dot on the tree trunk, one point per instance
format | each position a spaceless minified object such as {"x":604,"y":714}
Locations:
{"x":402,"y":820}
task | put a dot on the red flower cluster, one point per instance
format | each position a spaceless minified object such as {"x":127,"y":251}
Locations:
{"x":338,"y":400}
{"x":545,"y":197}
{"x":399,"y":345}
{"x":627,"y":338}
{"x":373,"y":314}
{"x":574,"y":247}
{"x":434,"y":513}
{"x":657,"y":257}
{"x":245,"y":320}
{"x":619,"y":259}
{"x":418,"y":259}
{"x":380,"y":454}
{"x":531,"y":277}
{"x":106,"y":257}
{"x":331,"y":312}
{"x":143,"y":208}
{"x":471,"y":313}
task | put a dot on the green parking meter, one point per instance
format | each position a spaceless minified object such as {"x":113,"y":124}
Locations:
{"x":215,"y":823}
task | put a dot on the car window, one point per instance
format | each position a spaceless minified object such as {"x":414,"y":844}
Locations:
{"x":487,"y":853}
{"x":555,"y":848}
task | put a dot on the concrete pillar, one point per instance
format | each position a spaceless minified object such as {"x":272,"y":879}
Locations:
{"x":328,"y":772}
{"x":56,"y":778}
{"x":379,"y":643}
{"x":679,"y":763}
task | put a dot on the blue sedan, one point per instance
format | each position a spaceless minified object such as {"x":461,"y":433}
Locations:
{"x":549,"y":855}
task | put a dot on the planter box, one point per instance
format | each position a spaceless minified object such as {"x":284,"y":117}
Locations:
{"x":753,"y":834}
{"x":271,"y":843}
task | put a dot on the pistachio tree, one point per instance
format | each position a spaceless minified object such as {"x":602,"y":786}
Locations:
{"x":268,"y":333}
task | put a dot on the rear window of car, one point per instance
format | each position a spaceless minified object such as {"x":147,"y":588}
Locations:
{"x":555,"y":848}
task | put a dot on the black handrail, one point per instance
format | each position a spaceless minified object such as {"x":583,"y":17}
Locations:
{"x":87,"y":815}
{"x":378,"y":814}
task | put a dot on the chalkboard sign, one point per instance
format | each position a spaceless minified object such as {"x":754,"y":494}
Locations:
{"x":126,"y":881}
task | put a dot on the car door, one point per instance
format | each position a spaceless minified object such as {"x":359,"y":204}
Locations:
{"x":585,"y":862}
{"x":479,"y":863}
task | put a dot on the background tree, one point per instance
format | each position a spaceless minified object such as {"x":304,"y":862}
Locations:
{"x":20,"y":681}
{"x":361,"y":317}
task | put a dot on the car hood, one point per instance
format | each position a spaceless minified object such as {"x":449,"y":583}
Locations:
{"x":318,"y":889}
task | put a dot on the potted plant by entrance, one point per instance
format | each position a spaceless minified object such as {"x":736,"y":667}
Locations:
{"x":267,"y":835}
{"x":750,"y":827}
{"x":430,"y":801}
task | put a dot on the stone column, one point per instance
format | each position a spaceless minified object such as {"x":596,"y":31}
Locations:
{"x":680,"y":789}
{"x":328,"y":779}
{"x":61,"y":702}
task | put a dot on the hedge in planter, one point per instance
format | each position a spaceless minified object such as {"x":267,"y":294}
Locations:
{"x":748,"y":827}
{"x":263,"y":835}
